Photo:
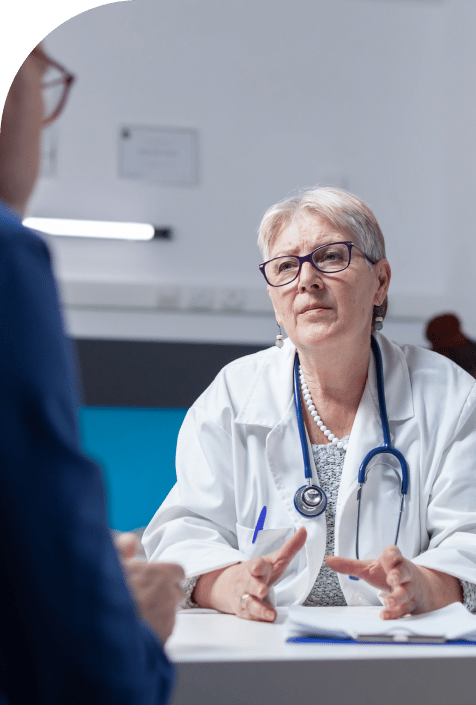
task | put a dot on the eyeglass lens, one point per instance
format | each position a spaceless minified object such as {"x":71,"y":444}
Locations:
{"x":331,"y":258}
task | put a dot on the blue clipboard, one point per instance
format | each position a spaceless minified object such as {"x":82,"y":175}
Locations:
{"x":410,"y":641}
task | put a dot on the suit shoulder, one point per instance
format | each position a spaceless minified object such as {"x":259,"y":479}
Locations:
{"x":12,"y":230}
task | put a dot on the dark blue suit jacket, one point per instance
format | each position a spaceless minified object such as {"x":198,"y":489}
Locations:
{"x":68,"y":630}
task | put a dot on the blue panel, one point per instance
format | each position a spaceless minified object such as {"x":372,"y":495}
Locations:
{"x":136,"y":450}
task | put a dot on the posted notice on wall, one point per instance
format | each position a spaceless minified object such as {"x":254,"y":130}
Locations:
{"x":165,"y":155}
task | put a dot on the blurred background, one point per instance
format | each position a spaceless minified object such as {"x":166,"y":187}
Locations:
{"x":195,"y":116}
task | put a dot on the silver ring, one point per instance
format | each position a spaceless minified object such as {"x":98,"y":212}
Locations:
{"x":244,"y":597}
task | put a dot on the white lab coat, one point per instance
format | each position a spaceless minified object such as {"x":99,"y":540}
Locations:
{"x":239,"y":450}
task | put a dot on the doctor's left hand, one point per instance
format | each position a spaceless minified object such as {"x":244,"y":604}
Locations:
{"x":412,"y":588}
{"x":243,"y":588}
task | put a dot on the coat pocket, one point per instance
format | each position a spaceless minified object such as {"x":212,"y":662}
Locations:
{"x":267,"y":540}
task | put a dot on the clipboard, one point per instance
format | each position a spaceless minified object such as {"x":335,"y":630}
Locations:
{"x":385,"y":639}
{"x":452,"y":624}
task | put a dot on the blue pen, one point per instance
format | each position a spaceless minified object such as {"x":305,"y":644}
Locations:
{"x":259,"y":523}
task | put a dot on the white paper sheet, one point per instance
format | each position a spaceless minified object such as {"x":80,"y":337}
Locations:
{"x":451,"y":622}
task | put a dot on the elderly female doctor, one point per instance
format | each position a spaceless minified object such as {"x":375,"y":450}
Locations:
{"x":239,"y":449}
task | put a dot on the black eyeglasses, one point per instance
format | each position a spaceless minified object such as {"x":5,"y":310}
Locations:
{"x":56,"y":85}
{"x":326,"y":258}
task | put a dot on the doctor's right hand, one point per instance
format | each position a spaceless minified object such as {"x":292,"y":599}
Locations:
{"x":243,"y":588}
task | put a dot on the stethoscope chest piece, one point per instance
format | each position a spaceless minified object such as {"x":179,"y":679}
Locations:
{"x":310,"y":500}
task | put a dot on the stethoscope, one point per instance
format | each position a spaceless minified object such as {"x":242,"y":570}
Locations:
{"x":310,"y":500}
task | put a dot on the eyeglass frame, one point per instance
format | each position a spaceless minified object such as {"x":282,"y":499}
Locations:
{"x":308,"y":258}
{"x":67,"y":79}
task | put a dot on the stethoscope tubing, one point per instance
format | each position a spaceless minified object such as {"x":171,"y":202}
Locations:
{"x":386,"y":448}
{"x":387,"y":443}
{"x":300,"y":420}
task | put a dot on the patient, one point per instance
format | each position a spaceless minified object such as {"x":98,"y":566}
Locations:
{"x":70,"y":630}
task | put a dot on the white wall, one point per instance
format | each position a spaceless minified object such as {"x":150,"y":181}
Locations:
{"x":458,"y":77}
{"x":376,"y":94}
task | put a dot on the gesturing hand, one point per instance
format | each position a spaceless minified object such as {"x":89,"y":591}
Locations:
{"x":155,"y":587}
{"x":128,"y":546}
{"x":413,"y":588}
{"x":243,"y":588}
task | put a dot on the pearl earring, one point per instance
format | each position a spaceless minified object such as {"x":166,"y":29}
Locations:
{"x":279,"y":338}
{"x":378,"y":323}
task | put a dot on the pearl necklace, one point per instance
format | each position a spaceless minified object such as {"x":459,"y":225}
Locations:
{"x":307,"y":398}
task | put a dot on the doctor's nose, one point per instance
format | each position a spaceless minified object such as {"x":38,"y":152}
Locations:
{"x":309,"y":277}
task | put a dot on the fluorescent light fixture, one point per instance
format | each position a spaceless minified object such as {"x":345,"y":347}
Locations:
{"x":95,"y":228}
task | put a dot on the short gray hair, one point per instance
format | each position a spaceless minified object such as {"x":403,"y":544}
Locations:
{"x":344,"y":211}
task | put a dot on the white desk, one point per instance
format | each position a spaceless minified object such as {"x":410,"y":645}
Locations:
{"x":223,"y":660}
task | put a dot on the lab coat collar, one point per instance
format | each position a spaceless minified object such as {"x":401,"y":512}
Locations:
{"x":272,"y":388}
{"x":397,"y":384}
{"x":270,"y":394}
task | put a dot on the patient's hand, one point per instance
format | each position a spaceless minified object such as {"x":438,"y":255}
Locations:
{"x":243,"y":588}
{"x":413,"y":589}
{"x":155,"y":587}
{"x":128,"y":545}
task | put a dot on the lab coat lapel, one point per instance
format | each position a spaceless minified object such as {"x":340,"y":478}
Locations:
{"x":286,"y":463}
{"x":398,"y":388}
{"x":271,"y":403}
{"x":367,"y":430}
{"x":367,"y":434}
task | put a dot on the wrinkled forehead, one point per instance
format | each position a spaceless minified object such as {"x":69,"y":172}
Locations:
{"x":305,"y":227}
